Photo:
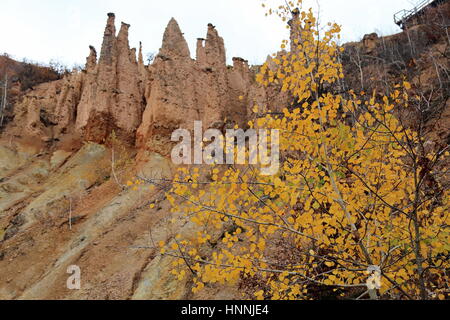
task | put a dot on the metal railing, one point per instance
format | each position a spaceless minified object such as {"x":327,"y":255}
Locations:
{"x":404,"y":15}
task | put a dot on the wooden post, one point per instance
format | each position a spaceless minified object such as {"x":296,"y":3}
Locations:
{"x":5,"y":95}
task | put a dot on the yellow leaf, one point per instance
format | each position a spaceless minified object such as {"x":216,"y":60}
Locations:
{"x":277,"y":182}
{"x":259,"y":295}
{"x":407,"y":85}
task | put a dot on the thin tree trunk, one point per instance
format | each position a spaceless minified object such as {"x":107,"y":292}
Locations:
{"x":417,"y":238}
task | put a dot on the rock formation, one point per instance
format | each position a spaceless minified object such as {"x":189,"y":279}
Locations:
{"x":144,"y":104}
{"x":112,"y":96}
{"x":182,"y":90}
{"x":370,"y":42}
{"x":49,"y":109}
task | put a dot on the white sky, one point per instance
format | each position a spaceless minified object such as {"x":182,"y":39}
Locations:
{"x":44,"y":30}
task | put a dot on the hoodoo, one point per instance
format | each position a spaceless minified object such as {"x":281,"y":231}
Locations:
{"x":144,"y":103}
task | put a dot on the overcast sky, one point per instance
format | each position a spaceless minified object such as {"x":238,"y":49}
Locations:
{"x":42,"y":30}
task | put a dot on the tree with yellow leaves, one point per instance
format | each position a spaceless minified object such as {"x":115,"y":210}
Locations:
{"x":358,"y":208}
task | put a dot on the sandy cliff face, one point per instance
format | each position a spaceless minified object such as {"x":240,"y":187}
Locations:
{"x":59,"y":209}
{"x":140,"y":103}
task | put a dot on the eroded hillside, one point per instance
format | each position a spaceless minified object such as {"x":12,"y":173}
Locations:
{"x":73,"y":144}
